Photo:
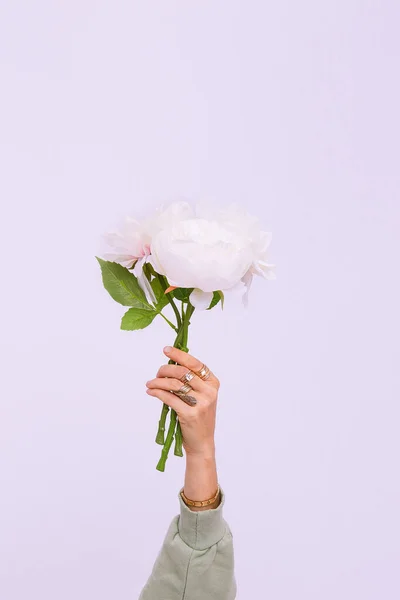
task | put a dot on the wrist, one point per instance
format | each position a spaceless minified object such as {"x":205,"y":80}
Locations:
{"x":207,"y":452}
{"x":201,"y":480}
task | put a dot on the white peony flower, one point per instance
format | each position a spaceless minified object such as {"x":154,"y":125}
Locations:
{"x":205,"y":248}
{"x":213,"y":250}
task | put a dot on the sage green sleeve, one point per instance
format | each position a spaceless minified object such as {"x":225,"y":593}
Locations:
{"x":196,"y":561}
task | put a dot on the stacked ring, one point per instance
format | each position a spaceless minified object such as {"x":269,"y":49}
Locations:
{"x":204,"y":372}
{"x":182,"y":393}
{"x":188,"y":377}
{"x":184,"y":389}
{"x":191,"y":400}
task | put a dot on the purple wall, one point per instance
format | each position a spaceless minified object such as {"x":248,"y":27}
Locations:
{"x":109,"y":108}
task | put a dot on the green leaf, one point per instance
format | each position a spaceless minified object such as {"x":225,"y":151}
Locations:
{"x":218,"y":295}
{"x":182,"y":294}
{"x":137,"y":318}
{"x":162,"y":299}
{"x":149,"y":271}
{"x":122,"y":285}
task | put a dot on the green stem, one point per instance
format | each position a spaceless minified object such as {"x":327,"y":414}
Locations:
{"x":174,"y":426}
{"x":170,"y":298}
{"x":160,"y":437}
{"x":161,"y":425}
{"x":183,"y":311}
{"x":178,"y":440}
{"x":168,"y":443}
{"x":188,"y":314}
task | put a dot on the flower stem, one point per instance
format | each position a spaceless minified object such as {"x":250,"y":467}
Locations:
{"x":174,"y":428}
{"x":160,"y":438}
{"x":168,"y":442}
{"x":164,"y":285}
{"x":178,"y":440}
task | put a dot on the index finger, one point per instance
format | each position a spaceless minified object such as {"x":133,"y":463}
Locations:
{"x":187,"y":360}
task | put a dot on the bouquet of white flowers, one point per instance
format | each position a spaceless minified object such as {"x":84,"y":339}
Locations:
{"x":188,"y":257}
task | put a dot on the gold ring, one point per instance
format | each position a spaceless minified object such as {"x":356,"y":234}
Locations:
{"x":204,"y":372}
{"x":191,"y":400}
{"x":188,"y":377}
{"x":184,"y":389}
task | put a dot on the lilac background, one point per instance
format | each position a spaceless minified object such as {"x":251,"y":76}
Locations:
{"x":109,"y":108}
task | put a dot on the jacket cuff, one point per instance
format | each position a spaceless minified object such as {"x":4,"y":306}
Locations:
{"x":201,"y":529}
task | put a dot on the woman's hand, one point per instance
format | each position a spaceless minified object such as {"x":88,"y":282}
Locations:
{"x":197,"y":422}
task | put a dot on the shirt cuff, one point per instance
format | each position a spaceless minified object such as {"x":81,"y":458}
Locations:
{"x":201,"y":529}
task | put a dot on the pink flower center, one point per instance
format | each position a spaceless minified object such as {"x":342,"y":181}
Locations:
{"x":146,"y":249}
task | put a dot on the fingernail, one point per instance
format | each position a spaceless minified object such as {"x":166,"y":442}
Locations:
{"x":167,"y":349}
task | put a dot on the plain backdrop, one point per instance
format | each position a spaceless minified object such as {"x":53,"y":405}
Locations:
{"x":291,"y":109}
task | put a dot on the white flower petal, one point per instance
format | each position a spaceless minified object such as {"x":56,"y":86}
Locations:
{"x":123,"y":259}
{"x":200,"y":299}
{"x":155,"y":263}
{"x":238,"y":289}
{"x":143,"y":281}
{"x":247,"y":280}
{"x":196,"y":253}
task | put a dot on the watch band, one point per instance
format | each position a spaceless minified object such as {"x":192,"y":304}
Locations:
{"x":199,"y":503}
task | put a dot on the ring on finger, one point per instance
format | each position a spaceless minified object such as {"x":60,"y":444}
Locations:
{"x":188,"y":377}
{"x":204,"y":372}
{"x":190,"y":400}
{"x":184,"y":389}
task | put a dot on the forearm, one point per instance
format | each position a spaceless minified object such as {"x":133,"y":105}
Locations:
{"x":201,"y":480}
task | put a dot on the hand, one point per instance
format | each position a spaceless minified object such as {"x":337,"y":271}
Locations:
{"x":197,"y":422}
